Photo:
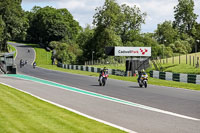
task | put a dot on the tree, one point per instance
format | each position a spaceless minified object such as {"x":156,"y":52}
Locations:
{"x":11,"y":14}
{"x":104,"y":38}
{"x":106,"y":20}
{"x":149,"y":41}
{"x":123,"y":20}
{"x":66,"y":53}
{"x":49,"y":24}
{"x":85,"y":43}
{"x":130,"y":19}
{"x":2,"y":26}
{"x":107,"y":16}
{"x":115,"y":25}
{"x":181,"y":46}
{"x":21,"y":34}
{"x":184,"y":15}
{"x":84,"y":36}
{"x":166,"y":34}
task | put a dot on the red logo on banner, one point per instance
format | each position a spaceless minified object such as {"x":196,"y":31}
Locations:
{"x":143,"y":51}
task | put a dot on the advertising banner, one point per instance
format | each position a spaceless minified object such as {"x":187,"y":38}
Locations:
{"x":132,"y":51}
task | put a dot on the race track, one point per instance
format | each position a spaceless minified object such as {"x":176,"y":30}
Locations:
{"x":165,"y":109}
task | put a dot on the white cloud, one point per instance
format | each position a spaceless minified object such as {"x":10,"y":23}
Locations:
{"x":37,"y":1}
{"x":71,"y":5}
{"x":131,"y":4}
{"x":83,"y":10}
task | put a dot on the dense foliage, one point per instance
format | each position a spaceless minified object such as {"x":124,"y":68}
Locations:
{"x":49,"y":24}
{"x":13,"y":24}
{"x":182,"y":34}
{"x":113,"y":25}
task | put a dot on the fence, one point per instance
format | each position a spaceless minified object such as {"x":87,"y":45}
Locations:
{"x":179,"y":77}
{"x":114,"y":60}
{"x":92,"y":69}
{"x":190,"y":59}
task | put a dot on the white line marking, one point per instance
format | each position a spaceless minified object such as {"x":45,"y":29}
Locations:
{"x":72,"y":110}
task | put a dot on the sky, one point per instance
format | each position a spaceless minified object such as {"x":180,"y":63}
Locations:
{"x":83,"y":10}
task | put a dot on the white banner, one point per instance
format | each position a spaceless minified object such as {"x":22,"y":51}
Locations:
{"x":132,"y":51}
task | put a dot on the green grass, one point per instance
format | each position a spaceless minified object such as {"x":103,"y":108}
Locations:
{"x":42,"y":57}
{"x":11,"y":49}
{"x":20,"y":112}
{"x":182,"y":67}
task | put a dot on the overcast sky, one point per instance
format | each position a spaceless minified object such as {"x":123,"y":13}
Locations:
{"x":83,"y":10}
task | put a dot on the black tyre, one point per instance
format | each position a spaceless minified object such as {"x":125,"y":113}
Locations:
{"x":145,"y":84}
{"x":104,"y":82}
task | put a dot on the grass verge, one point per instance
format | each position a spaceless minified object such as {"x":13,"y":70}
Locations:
{"x":186,"y":65}
{"x":181,"y":68}
{"x":22,"y":113}
{"x":11,"y":49}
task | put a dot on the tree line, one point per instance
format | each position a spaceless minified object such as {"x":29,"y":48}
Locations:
{"x":113,"y":25}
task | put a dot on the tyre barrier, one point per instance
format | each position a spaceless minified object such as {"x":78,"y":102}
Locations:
{"x":116,"y":72}
{"x":179,"y":77}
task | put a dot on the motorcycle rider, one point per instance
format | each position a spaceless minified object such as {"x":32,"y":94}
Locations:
{"x":21,"y":63}
{"x":142,"y":72}
{"x":104,"y":70}
{"x":34,"y":64}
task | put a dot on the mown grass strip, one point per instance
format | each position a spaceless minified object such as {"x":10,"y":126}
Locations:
{"x":180,"y":68}
{"x":187,"y":64}
{"x":20,"y":112}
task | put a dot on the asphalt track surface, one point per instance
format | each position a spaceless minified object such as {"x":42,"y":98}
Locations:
{"x":174,"y":100}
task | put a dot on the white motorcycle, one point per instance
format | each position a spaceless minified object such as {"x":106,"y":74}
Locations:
{"x":143,"y":80}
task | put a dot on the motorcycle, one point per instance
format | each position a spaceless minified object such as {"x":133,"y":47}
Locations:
{"x":21,"y":63}
{"x":143,"y":80}
{"x":103,"y":79}
{"x":34,"y":65}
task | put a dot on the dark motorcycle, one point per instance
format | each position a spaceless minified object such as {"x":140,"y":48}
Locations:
{"x":143,"y":80}
{"x":34,"y":65}
{"x":103,"y":79}
{"x":21,"y":63}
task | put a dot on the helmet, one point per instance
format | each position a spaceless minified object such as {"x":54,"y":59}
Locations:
{"x":142,"y":70}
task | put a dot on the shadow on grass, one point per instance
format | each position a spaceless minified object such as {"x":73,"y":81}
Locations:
{"x":27,"y":44}
{"x":164,"y":68}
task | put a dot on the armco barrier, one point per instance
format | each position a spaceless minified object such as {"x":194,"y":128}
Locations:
{"x":179,"y":77}
{"x":92,"y":69}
